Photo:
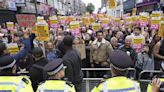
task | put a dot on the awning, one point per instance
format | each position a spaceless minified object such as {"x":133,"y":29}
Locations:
{"x":146,"y":3}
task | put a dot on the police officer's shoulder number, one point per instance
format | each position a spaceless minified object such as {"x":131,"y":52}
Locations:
{"x":69,"y":83}
{"x":25,"y":80}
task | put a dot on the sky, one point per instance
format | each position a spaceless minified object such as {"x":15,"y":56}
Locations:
{"x":96,"y":3}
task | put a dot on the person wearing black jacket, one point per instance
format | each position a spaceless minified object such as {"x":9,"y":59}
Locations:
{"x":35,"y":73}
{"x":72,"y":61}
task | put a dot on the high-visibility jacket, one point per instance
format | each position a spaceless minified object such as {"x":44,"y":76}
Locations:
{"x":56,"y":86}
{"x":117,"y":84}
{"x":15,"y":84}
{"x":149,"y":88}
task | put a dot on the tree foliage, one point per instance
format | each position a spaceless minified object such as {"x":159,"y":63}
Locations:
{"x":90,"y":8}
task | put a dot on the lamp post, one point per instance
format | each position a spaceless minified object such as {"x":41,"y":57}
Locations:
{"x":36,"y":9}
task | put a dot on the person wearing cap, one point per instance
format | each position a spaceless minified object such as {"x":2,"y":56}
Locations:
{"x":156,"y":83}
{"x":9,"y":80}
{"x":119,"y":63}
{"x":36,"y":72}
{"x":56,"y":71}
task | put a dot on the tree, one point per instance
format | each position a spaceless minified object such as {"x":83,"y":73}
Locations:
{"x":90,"y":8}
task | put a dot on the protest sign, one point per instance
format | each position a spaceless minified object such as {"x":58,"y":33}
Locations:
{"x":86,"y":21}
{"x":161,"y":29}
{"x":53,"y":22}
{"x":75,"y":27}
{"x":134,"y":11}
{"x":81,"y":49}
{"x":10,"y":25}
{"x":42,"y":31}
{"x":26,"y":20}
{"x":96,"y":26}
{"x":12,"y":48}
{"x":104,"y":22}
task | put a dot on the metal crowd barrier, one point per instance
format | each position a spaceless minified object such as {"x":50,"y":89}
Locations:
{"x":89,"y":83}
{"x":145,"y":77}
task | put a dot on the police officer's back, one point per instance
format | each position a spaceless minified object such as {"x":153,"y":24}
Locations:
{"x":120,"y":61}
{"x":55,"y":71}
{"x":9,"y":81}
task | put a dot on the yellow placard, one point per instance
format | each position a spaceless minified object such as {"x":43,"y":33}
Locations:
{"x":104,"y":20}
{"x":53,"y":21}
{"x":161,"y":30}
{"x":92,"y":20}
{"x":10,"y":25}
{"x":117,"y":20}
{"x":138,"y":41}
{"x":96,"y":26}
{"x":74,"y":25}
{"x":134,"y":11}
{"x":13,"y":48}
{"x":144,"y":18}
{"x":86,"y":21}
{"x":43,"y":32}
{"x":135,"y":18}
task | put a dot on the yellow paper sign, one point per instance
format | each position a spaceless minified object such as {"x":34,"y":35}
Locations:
{"x":86,"y":21}
{"x":13,"y":48}
{"x":134,"y":11}
{"x":135,"y":18}
{"x":96,"y":26}
{"x":43,"y":32}
{"x":74,"y":25}
{"x":161,"y":29}
{"x":104,"y":20}
{"x":10,"y":25}
{"x":138,"y":41}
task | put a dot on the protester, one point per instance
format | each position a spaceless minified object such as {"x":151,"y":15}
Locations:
{"x":128,"y":49}
{"x":51,"y":52}
{"x":114,"y":43}
{"x":72,"y":60}
{"x":158,"y":52}
{"x":100,"y":49}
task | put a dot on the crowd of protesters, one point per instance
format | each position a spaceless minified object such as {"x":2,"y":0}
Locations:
{"x":32,"y":54}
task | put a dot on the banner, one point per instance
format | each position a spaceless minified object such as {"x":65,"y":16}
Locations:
{"x":96,"y":26}
{"x":112,"y":4}
{"x":13,"y":48}
{"x":10,"y":25}
{"x":26,"y":20}
{"x":42,"y":31}
{"x":75,"y":27}
{"x":54,"y":22}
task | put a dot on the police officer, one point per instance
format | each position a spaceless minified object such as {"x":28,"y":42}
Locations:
{"x":9,"y":80}
{"x":54,"y":83}
{"x":155,"y":86}
{"x":119,"y":62}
